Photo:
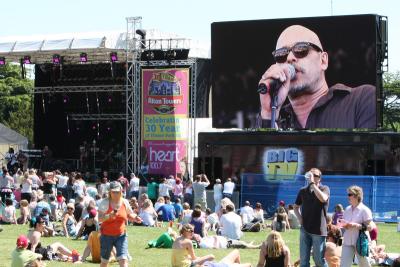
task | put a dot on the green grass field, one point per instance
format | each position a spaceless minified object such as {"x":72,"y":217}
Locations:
{"x":142,"y":257}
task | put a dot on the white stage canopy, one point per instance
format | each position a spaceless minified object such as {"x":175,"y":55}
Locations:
{"x":97,"y":45}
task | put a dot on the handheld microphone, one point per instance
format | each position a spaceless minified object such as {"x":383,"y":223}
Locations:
{"x":272,"y":86}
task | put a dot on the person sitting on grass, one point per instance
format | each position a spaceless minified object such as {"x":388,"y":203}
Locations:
{"x":89,"y":224}
{"x":186,"y":213}
{"x":333,"y":250}
{"x":9,"y":216}
{"x":68,"y":222}
{"x":25,"y":212}
{"x":198,"y":222}
{"x":22,"y":257}
{"x":274,"y":252}
{"x":53,"y":251}
{"x":281,"y":222}
{"x":168,"y":210}
{"x":148,"y":214}
{"x":165,"y":240}
{"x":93,"y":248}
{"x":182,"y":250}
{"x":212,"y":220}
{"x":218,"y":241}
{"x":231,"y":223}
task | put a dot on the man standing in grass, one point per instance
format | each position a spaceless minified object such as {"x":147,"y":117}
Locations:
{"x":310,"y":208}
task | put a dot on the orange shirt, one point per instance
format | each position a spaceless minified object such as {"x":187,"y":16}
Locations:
{"x":115,"y":226}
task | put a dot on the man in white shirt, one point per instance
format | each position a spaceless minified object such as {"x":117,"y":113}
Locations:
{"x":171,"y":181}
{"x":229,"y":186}
{"x":36,"y":181}
{"x":247,"y":213}
{"x":199,"y":190}
{"x":231,"y":224}
{"x":164,"y":187}
{"x":134,"y":186}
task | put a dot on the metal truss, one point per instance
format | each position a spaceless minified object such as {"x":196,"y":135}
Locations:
{"x":167,"y":44}
{"x":191,"y":153}
{"x":79,"y":89}
{"x":166,"y":63}
{"x":132,"y":147}
{"x":96,"y":117}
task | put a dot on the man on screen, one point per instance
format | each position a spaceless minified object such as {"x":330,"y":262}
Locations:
{"x":312,"y":104}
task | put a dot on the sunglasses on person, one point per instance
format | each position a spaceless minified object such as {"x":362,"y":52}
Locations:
{"x":299,"y":50}
{"x":70,"y":208}
{"x":350,"y":195}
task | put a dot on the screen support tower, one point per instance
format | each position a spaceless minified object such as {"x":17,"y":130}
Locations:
{"x":133,"y":51}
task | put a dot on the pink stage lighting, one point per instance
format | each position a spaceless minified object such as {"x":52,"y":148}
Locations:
{"x":27,"y":60}
{"x":83,"y":57}
{"x":56,"y":59}
{"x":114,"y":56}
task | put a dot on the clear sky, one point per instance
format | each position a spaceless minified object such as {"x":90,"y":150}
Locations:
{"x":188,"y":18}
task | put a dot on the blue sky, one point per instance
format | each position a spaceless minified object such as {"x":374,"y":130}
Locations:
{"x":190,"y":19}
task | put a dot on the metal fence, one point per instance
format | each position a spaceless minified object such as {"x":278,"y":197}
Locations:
{"x":381,"y":193}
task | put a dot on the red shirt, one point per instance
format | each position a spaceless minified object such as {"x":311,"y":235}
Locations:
{"x":116,"y":225}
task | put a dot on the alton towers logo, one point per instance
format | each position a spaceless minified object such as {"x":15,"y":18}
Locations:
{"x":164,"y":93}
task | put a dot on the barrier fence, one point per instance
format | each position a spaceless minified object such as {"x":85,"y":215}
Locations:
{"x":381,"y":193}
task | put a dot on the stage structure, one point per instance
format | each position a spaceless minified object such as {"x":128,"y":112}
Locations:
{"x":86,"y":93}
{"x":132,"y":109}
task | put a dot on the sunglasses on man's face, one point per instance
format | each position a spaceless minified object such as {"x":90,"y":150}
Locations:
{"x":299,"y":50}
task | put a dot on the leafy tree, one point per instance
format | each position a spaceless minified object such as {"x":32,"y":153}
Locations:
{"x":391,"y":107}
{"x":16,"y":109}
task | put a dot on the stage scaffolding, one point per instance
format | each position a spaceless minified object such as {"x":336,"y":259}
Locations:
{"x":79,"y":89}
{"x":133,"y":51}
{"x":135,"y":47}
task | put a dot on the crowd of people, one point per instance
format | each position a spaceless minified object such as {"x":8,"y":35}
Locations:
{"x":55,"y":203}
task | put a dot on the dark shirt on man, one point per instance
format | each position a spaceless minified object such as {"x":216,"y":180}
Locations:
{"x":313,"y":211}
{"x":342,"y":107}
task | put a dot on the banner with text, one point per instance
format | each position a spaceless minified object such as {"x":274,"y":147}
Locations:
{"x":165,"y":108}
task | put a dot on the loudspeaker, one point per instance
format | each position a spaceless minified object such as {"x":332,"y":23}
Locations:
{"x":210,"y":166}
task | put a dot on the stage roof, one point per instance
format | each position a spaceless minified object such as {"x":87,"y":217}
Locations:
{"x":97,"y":45}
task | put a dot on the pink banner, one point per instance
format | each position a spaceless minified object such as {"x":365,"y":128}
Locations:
{"x":166,"y":157}
{"x":164,"y":120}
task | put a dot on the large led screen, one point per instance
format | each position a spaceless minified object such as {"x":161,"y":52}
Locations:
{"x":321,"y":72}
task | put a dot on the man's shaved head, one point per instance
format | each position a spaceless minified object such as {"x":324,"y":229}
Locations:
{"x":297,"y":33}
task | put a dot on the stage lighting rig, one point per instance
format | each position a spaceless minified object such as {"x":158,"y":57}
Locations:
{"x":56,"y":59}
{"x":170,"y":55}
{"x":83,"y":57}
{"x":27,"y":60}
{"x":113,"y":57}
{"x":142,"y":34}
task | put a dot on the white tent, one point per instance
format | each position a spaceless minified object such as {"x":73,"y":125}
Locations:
{"x":10,"y":138}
